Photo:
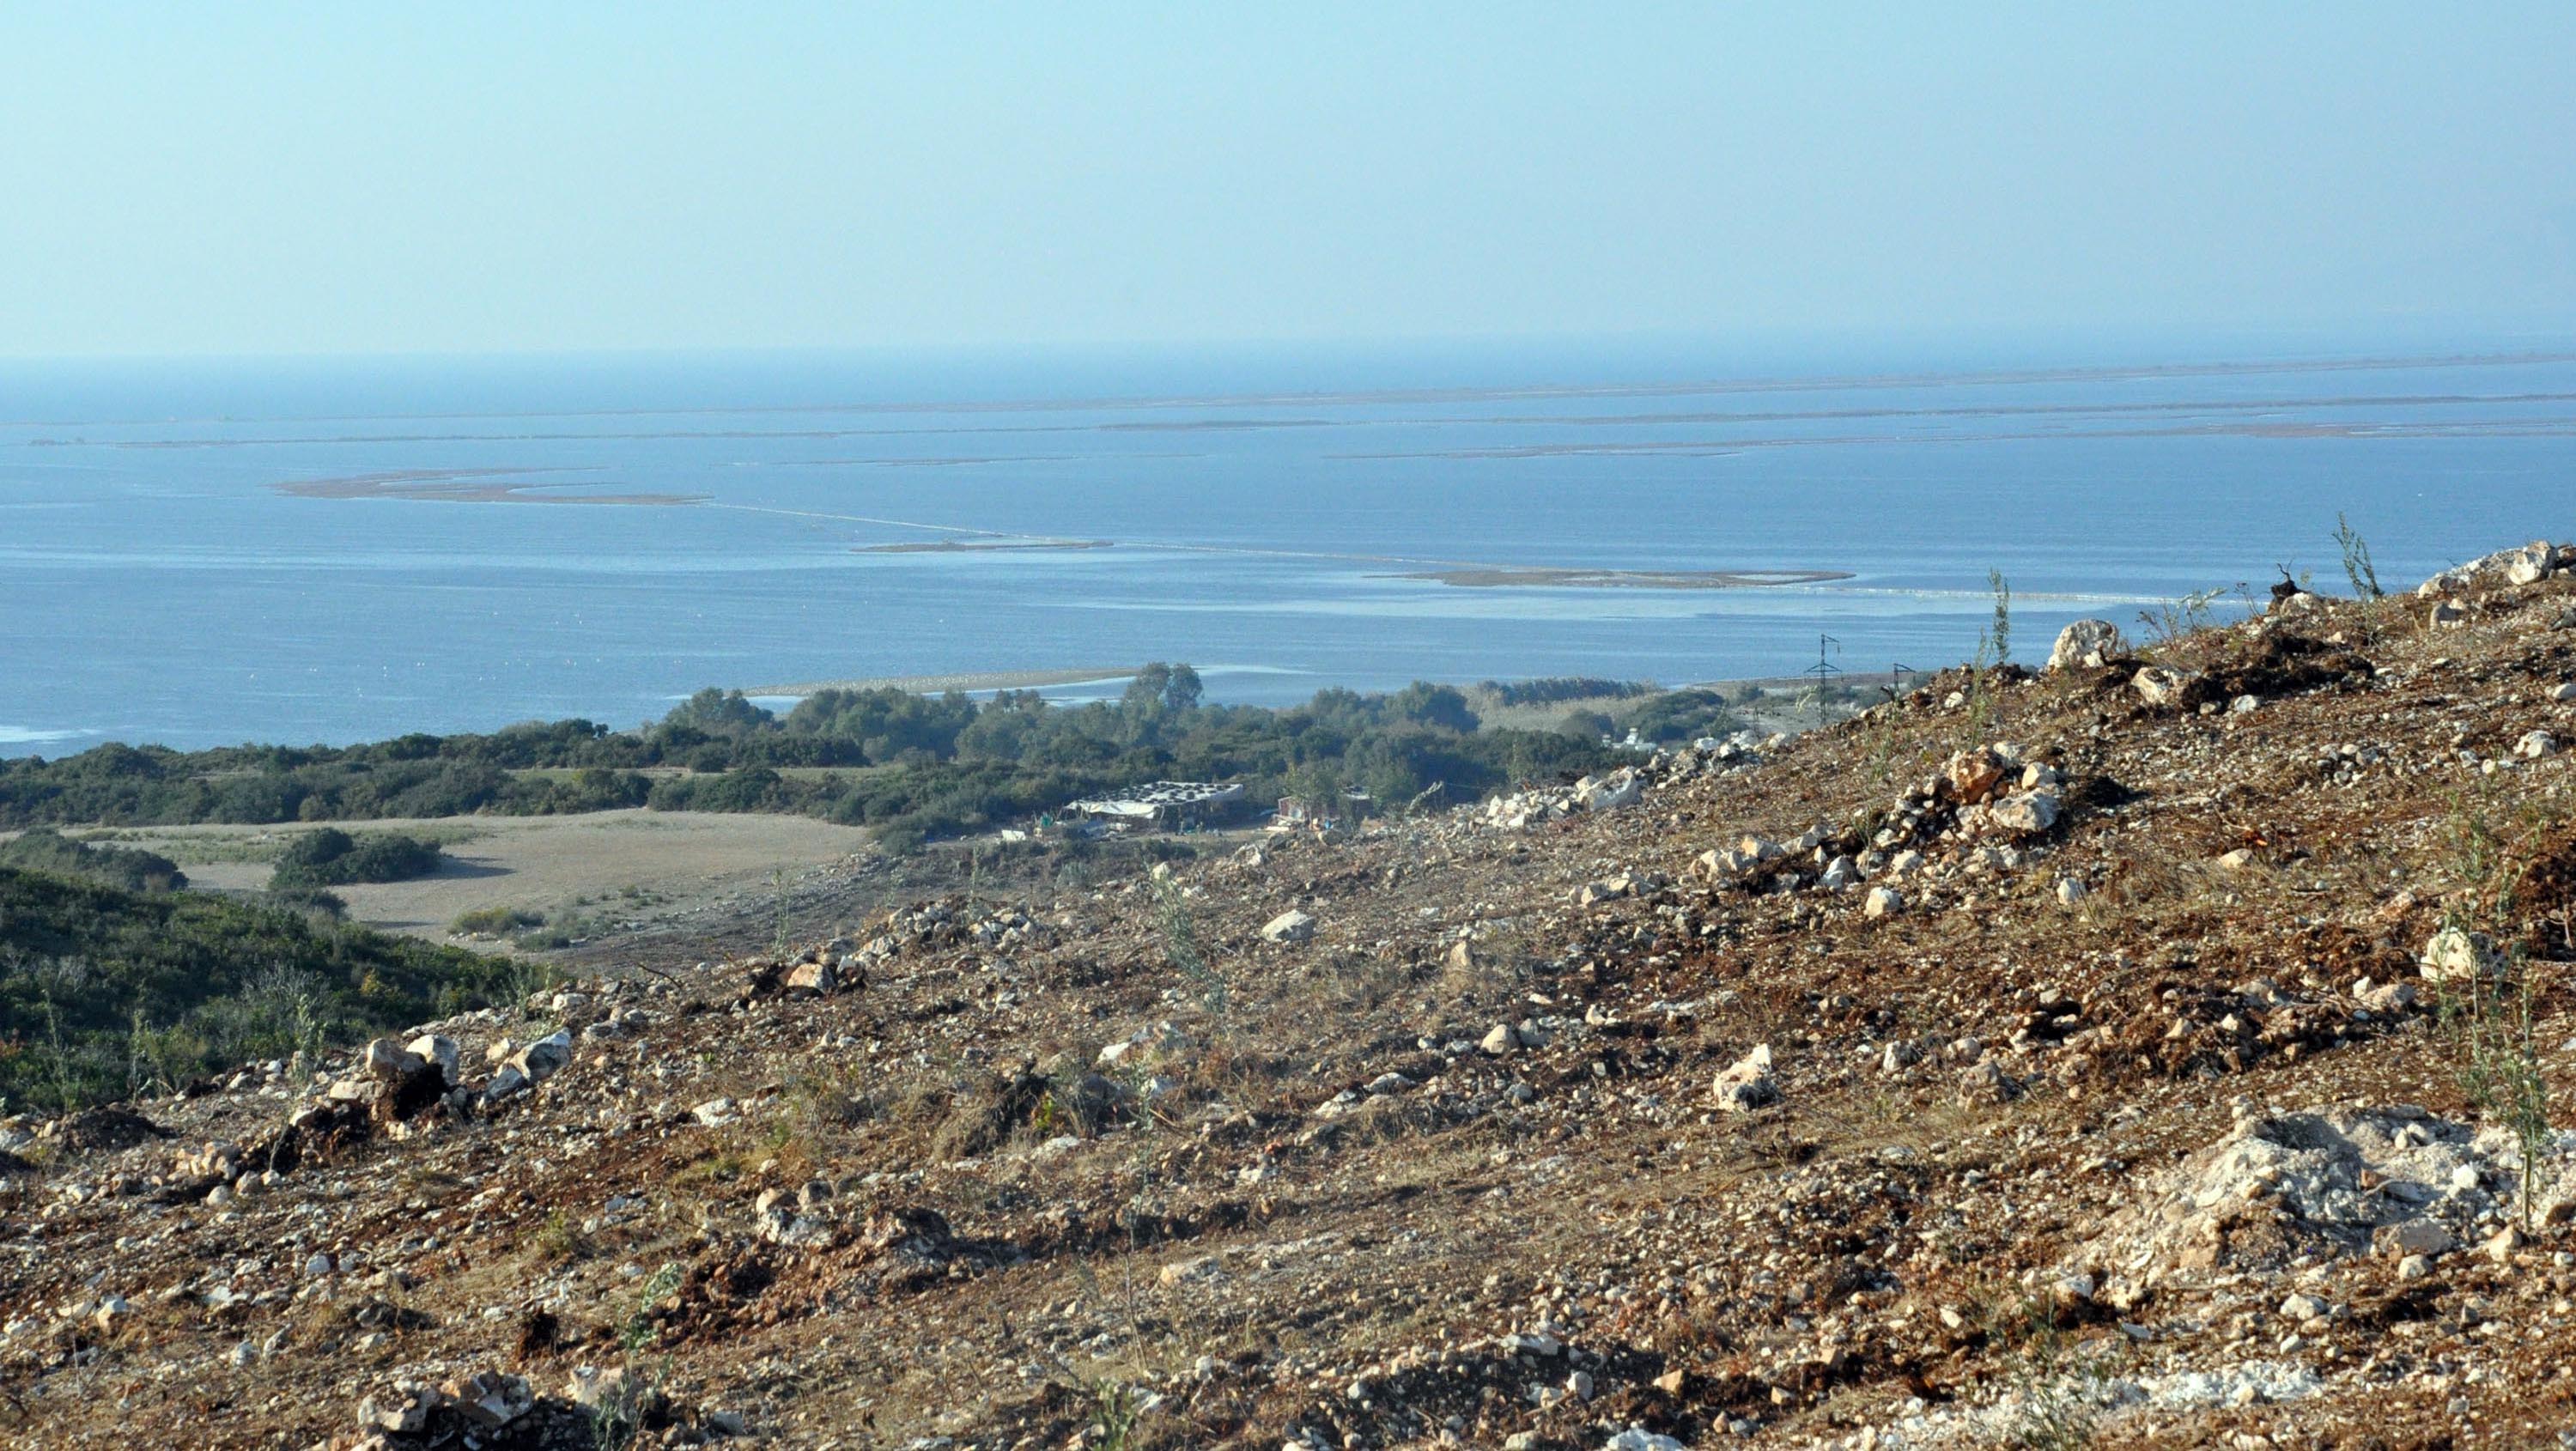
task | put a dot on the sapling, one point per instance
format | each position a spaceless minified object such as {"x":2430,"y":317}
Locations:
{"x":2356,"y":560}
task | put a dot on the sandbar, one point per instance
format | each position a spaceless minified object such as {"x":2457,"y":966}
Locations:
{"x":1500,"y":578}
{"x":468,"y":486}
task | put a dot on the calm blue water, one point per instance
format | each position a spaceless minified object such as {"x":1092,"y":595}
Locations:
{"x":156,"y":584}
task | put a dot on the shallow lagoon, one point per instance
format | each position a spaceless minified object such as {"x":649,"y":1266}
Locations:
{"x":185,"y":558}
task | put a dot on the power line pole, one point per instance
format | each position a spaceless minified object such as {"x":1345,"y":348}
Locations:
{"x":1825,"y":669}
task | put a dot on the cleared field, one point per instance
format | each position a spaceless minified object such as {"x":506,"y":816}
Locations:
{"x":636,"y":864}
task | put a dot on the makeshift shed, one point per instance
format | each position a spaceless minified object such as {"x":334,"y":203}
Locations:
{"x":1161,"y":805}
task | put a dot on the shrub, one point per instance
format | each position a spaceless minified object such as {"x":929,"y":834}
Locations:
{"x":331,"y":857}
{"x":1683,"y":715}
{"x":314,"y":901}
{"x":46,"y":850}
{"x":494,"y":921}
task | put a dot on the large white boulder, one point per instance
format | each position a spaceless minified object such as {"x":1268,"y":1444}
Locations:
{"x":2087,"y":643}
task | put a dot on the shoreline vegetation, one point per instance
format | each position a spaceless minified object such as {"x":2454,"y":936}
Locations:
{"x":905,"y":763}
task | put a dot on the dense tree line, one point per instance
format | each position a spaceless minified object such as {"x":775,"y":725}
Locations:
{"x":911,"y":764}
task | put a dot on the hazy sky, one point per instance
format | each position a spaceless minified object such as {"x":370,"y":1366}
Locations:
{"x":243,"y":178}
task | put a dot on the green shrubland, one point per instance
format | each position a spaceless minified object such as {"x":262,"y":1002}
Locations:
{"x":106,"y":992}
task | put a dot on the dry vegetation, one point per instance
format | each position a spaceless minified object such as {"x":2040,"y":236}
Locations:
{"x":1098,"y":1163}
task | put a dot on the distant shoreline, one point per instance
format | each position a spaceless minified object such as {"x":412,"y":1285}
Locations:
{"x":974,"y":680}
{"x":969,"y":680}
{"x":983,"y":546}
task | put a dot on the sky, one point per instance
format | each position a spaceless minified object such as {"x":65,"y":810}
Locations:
{"x":251,"y":178}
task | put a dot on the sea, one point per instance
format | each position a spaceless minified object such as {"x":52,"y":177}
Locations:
{"x":206,"y":552}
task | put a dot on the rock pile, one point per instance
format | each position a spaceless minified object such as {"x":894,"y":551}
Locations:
{"x":2393,"y":1181}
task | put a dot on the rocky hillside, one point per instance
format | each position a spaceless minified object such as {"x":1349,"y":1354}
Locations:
{"x":2141,"y":1052}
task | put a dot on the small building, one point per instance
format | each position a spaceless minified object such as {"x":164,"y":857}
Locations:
{"x":1161,"y":806}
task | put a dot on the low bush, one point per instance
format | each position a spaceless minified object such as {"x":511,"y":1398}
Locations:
{"x":494,"y":921}
{"x":47,"y":850}
{"x":331,"y":857}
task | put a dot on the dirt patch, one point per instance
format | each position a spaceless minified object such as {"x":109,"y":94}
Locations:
{"x":618,"y":870}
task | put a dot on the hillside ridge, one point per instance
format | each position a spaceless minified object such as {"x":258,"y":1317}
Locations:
{"x":2140,"y":1051}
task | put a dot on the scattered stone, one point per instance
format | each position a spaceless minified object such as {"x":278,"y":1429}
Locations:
{"x":1986,"y":1083}
{"x":442,"y":1051}
{"x":402,"y":1409}
{"x":2412,"y":1237}
{"x":2455,"y":953}
{"x":388,"y":1060}
{"x":1289,"y":926}
{"x":544,"y":1058}
{"x":609,"y":1394}
{"x":1608,"y":889}
{"x":1975,"y":776}
{"x":2161,"y":685}
{"x":1620,"y":788}
{"x":2028,"y":814}
{"x":2531,"y":564}
{"x":1747,"y":1085}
